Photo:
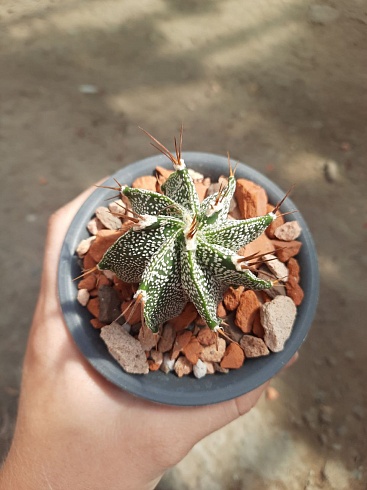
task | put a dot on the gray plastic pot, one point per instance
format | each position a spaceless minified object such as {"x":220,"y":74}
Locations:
{"x":168,"y":388}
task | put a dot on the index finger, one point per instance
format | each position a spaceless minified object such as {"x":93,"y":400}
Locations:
{"x":57,"y":228}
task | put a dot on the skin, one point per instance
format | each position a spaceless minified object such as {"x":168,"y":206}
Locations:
{"x":75,"y":429}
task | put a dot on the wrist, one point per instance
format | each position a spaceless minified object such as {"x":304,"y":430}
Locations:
{"x":20,"y":472}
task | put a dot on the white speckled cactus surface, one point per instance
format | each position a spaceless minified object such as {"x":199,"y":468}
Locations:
{"x":181,"y":250}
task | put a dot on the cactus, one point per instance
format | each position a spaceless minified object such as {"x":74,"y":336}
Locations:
{"x":181,"y":250}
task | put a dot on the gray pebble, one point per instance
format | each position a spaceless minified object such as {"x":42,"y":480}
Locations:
{"x":277,"y":318}
{"x":110,"y":221}
{"x":127,"y":351}
{"x":109,"y":304}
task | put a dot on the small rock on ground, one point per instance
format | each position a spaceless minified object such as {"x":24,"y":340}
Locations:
{"x":323,"y":14}
{"x":336,"y":475}
{"x":331,"y":171}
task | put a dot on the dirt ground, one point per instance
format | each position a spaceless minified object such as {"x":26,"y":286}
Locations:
{"x":279,"y":83}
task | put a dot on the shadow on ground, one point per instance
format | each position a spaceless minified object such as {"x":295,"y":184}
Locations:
{"x":259,"y":79}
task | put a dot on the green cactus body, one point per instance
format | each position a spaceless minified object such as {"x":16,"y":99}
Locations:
{"x":181,"y":250}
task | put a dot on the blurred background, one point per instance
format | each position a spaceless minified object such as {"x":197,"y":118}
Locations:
{"x":281,"y":84}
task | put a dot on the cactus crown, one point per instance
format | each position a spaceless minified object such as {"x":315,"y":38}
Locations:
{"x":181,"y":250}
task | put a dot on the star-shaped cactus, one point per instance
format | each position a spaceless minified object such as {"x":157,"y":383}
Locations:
{"x":181,"y":250}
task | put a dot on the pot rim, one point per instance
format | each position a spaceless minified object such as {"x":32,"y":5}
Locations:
{"x":168,"y":388}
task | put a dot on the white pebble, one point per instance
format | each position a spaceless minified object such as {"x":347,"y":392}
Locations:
{"x":84,"y":246}
{"x":83,"y":296}
{"x":195,"y":175}
{"x":94,"y":225}
{"x":288,"y":231}
{"x":209,"y":368}
{"x":88,"y":89}
{"x":109,"y":274}
{"x":168,"y":364}
{"x":276,"y":267}
{"x":336,"y":475}
{"x":199,"y":369}
{"x":117,"y":207}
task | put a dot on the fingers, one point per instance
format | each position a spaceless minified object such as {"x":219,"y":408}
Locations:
{"x":62,"y":218}
{"x":210,"y":418}
{"x":246,"y":402}
{"x":217,"y":416}
{"x":291,"y":361}
{"x":58,"y":226}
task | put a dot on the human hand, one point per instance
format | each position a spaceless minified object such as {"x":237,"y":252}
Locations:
{"x":75,"y":430}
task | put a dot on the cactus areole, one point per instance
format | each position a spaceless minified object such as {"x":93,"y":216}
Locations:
{"x":181,"y":250}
